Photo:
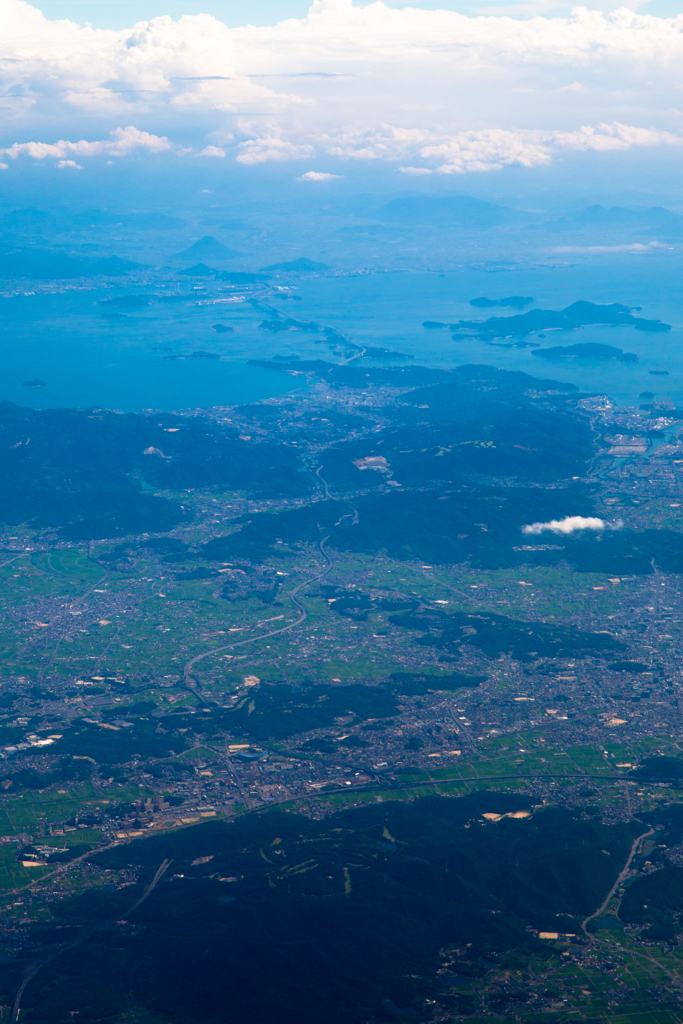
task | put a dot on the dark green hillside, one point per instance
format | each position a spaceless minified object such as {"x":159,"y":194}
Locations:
{"x":83,"y":471}
{"x":299,"y":921}
{"x":660,"y":768}
{"x":497,"y":634}
{"x":481,"y":524}
{"x":614,"y":552}
{"x":481,"y":420}
{"x":656,"y":901}
{"x":461,"y":522}
{"x":278,"y":711}
{"x":261,"y":534}
{"x":118,"y":744}
{"x":89,"y":513}
{"x":274,"y":710}
{"x":413,"y":683}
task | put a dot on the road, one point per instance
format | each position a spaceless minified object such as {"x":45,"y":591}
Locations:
{"x":620,"y":878}
{"x":32,"y":970}
{"x":299,"y":606}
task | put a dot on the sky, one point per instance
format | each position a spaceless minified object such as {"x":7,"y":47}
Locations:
{"x":119,"y":14}
{"x":327,"y":92}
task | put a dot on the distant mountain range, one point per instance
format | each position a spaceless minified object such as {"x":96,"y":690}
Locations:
{"x":655,"y":220}
{"x":473,"y":214}
{"x":32,"y":219}
{"x":42,"y":264}
{"x":464,"y":211}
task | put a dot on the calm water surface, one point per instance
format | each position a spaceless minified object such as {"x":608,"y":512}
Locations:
{"x":140,"y":360}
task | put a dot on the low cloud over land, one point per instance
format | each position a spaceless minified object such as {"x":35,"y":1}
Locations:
{"x":571,"y":524}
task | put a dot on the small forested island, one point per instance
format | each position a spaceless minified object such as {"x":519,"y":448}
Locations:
{"x":586,"y":350}
{"x":579,"y":314}
{"x":377,"y":352}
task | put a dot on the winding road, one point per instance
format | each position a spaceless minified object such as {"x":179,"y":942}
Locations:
{"x":187,"y":679}
{"x":37,"y":965}
{"x":298,"y":605}
{"x":620,"y":878}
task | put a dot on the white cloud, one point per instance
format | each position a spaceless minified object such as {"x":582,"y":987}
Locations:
{"x":570,"y":524}
{"x":597,"y":250}
{"x":489,"y":149}
{"x":272,"y":147}
{"x":158,"y":63}
{"x":361,"y":84}
{"x":493,"y":149}
{"x":574,"y":87}
{"x":318,"y":176}
{"x":70,"y":163}
{"x":614,"y":136}
{"x":338,"y":33}
{"x":122,"y":142}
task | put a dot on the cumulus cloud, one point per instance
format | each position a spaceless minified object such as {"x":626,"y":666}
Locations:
{"x":510,"y":92}
{"x":122,"y":141}
{"x":571,"y":524}
{"x":493,"y":149}
{"x":460,"y":153}
{"x":488,"y":149}
{"x":318,"y":176}
{"x":272,"y":147}
{"x":338,"y":33}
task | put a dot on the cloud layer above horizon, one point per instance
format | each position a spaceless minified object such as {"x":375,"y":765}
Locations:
{"x":426,"y":91}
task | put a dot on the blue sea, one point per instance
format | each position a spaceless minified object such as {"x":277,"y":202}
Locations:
{"x":388,"y":310}
{"x":144,"y":360}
